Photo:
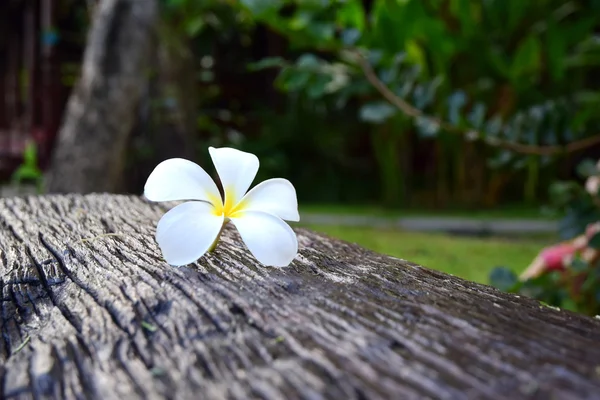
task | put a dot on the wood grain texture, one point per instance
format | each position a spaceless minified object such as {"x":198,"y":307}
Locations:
{"x":89,"y":310}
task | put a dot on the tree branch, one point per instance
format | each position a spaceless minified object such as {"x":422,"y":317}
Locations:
{"x":472,"y":134}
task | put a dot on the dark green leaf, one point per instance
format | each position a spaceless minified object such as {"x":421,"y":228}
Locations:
{"x":292,"y":80}
{"x":351,"y":14}
{"x":499,"y":61}
{"x":503,"y":279}
{"x":194,"y":25}
{"x":561,"y":193}
{"x":30,"y":154}
{"x":527,"y":58}
{"x":387,"y":32}
{"x":579,"y":215}
{"x":545,"y":287}
{"x":591,"y":283}
{"x":516,"y":12}
{"x":317,"y":85}
{"x":587,"y":168}
{"x":594,"y":241}
{"x":569,"y":304}
{"x":321,"y":31}
{"x":502,"y":159}
{"x":556,"y":50}
{"x":463,"y":9}
{"x":269,"y":62}
{"x":578,"y":265}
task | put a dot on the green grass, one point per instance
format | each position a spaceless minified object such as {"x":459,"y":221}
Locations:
{"x":468,"y":258}
{"x":507,"y":212}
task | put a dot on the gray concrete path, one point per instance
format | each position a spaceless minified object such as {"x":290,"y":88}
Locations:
{"x":457,"y":225}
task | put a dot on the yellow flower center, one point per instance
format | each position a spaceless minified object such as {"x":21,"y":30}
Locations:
{"x":226,"y":209}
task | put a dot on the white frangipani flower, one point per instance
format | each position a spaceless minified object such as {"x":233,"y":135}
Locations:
{"x":190,"y":229}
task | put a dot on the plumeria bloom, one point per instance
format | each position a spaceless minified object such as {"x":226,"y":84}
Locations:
{"x":186,"y":232}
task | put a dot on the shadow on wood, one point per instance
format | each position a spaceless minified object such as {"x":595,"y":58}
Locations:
{"x":90,"y":310}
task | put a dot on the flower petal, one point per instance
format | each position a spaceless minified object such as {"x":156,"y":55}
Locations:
{"x":236,"y":170}
{"x":274,"y":196}
{"x":179,"y":179}
{"x":268,"y":238}
{"x":187,"y":231}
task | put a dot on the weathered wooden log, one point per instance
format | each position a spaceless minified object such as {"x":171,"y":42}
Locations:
{"x":91,"y":310}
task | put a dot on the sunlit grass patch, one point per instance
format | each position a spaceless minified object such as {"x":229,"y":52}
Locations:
{"x":466,"y":257}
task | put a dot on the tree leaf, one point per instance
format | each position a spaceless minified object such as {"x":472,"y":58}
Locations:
{"x":576,"y":220}
{"x":377,"y":112}
{"x":262,"y":7}
{"x":424,"y":94}
{"x":427,"y":127}
{"x":350,"y":36}
{"x":493,"y":126}
{"x":30,"y":154}
{"x":587,"y":168}
{"x":352,"y":15}
{"x":194,"y":25}
{"x":456,"y":102}
{"x":308,"y":60}
{"x":516,"y":12}
{"x":291,"y":79}
{"x":321,"y":32}
{"x":317,"y":85}
{"x":563,"y":192}
{"x":594,"y":241}
{"x":269,"y":62}
{"x":527,"y":58}
{"x":556,"y":51}
{"x":477,"y":115}
{"x":503,"y":279}
{"x":388,"y":32}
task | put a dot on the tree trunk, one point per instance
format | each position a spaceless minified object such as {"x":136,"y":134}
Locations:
{"x":90,"y":310}
{"x":168,"y":122}
{"x":90,"y":152}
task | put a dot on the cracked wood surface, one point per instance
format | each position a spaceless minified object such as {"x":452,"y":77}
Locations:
{"x":90,"y":310}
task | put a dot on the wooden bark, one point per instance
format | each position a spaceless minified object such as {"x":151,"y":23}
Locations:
{"x":100,"y":114}
{"x":89,"y":310}
{"x":168,"y":119}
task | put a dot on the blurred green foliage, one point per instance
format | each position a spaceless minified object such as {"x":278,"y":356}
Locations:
{"x":510,"y":70}
{"x":479,"y":73}
{"x":28,"y":171}
{"x":573,"y":282}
